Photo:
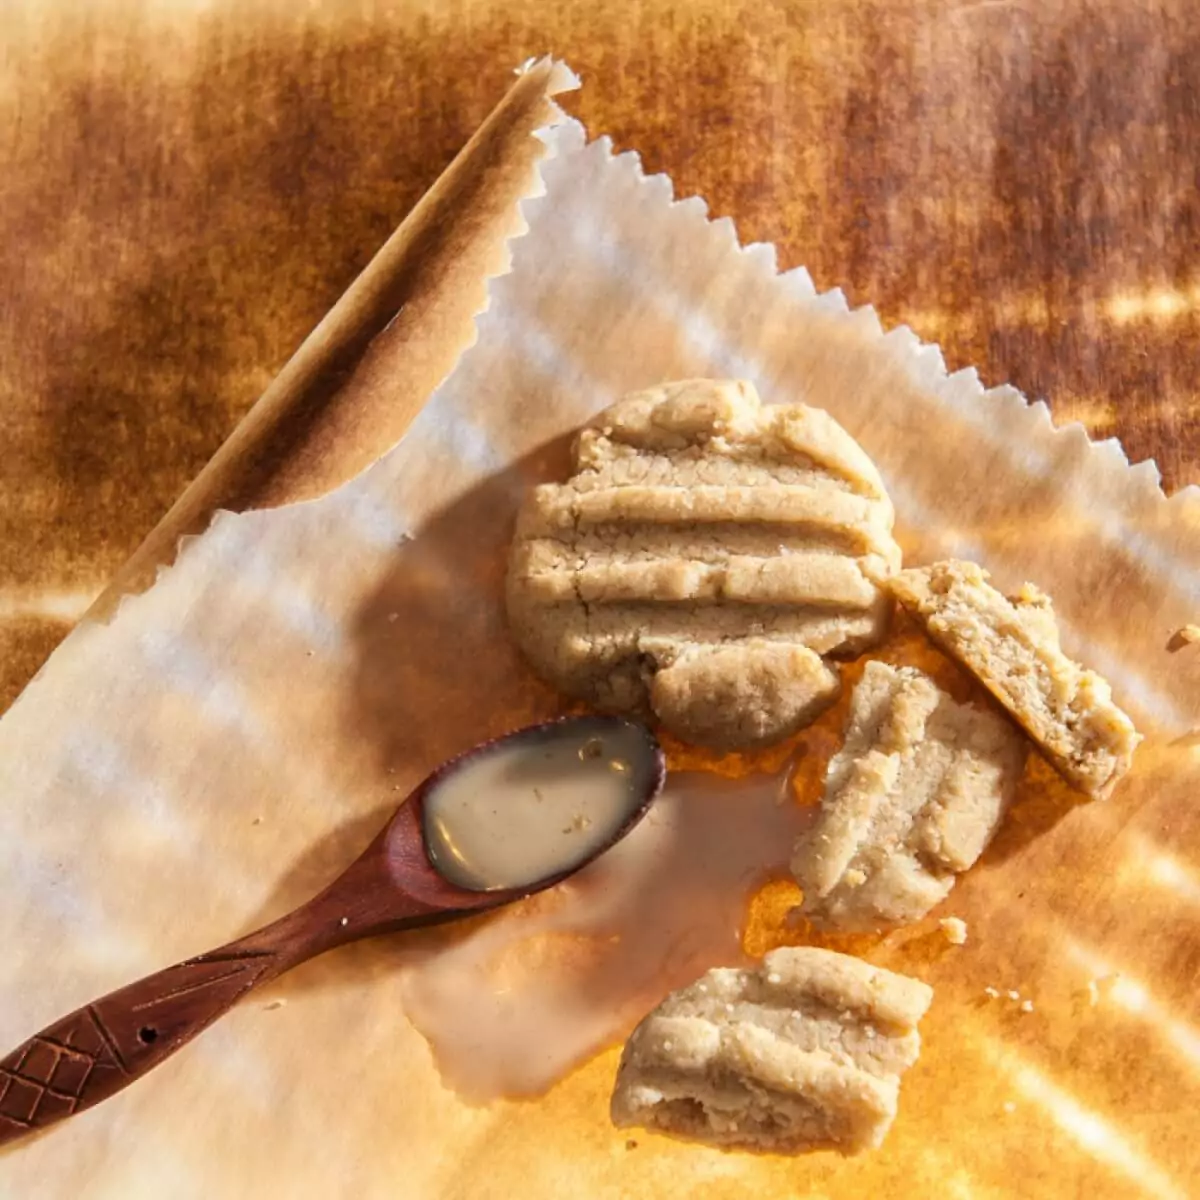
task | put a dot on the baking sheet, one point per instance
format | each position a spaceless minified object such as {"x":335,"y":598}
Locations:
{"x":235,"y":734}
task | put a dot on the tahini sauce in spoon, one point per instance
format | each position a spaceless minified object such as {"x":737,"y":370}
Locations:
{"x":538,"y":805}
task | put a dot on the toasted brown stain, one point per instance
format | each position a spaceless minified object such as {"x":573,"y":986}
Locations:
{"x":349,"y":393}
{"x":25,"y":644}
{"x":183,"y":195}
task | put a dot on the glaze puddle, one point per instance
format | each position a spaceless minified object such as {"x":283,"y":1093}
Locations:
{"x":513,"y":1006}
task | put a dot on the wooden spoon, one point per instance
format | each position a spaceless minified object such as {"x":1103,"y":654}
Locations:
{"x":106,"y":1045}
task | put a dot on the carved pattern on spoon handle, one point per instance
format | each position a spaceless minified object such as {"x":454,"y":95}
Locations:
{"x":99,"y":1049}
{"x":102,"y":1047}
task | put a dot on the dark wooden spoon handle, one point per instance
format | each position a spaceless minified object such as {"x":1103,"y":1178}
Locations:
{"x":104,"y":1046}
{"x":100,"y":1048}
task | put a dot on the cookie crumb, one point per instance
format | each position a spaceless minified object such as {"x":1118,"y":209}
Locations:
{"x":954,"y":930}
{"x":1185,"y":635}
{"x":854,"y":877}
{"x":1101,"y":988}
{"x":578,"y":823}
{"x":271,"y":1005}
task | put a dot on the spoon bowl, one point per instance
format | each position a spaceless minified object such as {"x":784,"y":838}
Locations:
{"x":394,"y":885}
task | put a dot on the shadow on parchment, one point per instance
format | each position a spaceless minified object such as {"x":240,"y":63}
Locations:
{"x":437,"y":672}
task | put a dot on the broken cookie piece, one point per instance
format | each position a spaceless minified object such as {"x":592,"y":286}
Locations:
{"x":912,"y":798}
{"x":705,"y":555}
{"x":1010,"y":644}
{"x":804,"y":1052}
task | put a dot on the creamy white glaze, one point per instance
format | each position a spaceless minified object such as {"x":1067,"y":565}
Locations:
{"x":536,"y":804}
{"x":512,"y":1007}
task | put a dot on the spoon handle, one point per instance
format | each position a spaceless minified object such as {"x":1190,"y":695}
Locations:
{"x":104,"y":1046}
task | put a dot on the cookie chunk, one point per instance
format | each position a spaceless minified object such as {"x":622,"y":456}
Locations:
{"x":1010,"y":644}
{"x":954,"y":930}
{"x":705,"y":555}
{"x":912,"y":798}
{"x":804,"y":1052}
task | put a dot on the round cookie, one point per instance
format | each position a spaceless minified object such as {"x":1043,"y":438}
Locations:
{"x":706,"y":553}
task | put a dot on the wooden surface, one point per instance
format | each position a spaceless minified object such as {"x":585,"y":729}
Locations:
{"x":185,"y":189}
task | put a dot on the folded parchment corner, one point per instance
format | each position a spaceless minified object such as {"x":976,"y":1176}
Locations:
{"x":351,"y":390}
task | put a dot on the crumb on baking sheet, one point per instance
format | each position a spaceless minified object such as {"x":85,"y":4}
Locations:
{"x":1101,"y":988}
{"x":1186,"y":635}
{"x":954,"y":930}
{"x":1012,"y":995}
